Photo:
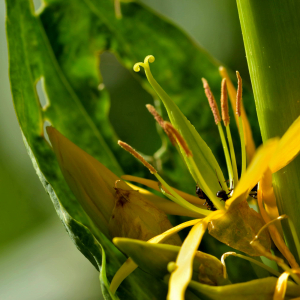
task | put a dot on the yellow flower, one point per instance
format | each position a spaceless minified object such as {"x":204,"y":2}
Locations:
{"x":233,"y":223}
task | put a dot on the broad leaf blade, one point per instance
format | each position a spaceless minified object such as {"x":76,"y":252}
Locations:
{"x":180,"y":64}
{"x":30,"y":58}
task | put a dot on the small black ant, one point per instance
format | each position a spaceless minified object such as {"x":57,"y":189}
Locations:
{"x":222,"y":194}
{"x":208,"y":202}
{"x":253,"y":192}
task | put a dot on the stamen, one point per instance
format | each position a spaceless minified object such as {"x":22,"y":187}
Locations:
{"x":224,"y":103}
{"x":225,"y":116}
{"x":268,"y":224}
{"x":138,"y":156}
{"x":212,"y":102}
{"x":226,"y":153}
{"x":155,"y":114}
{"x":118,"y":11}
{"x":125,"y":270}
{"x":247,"y":129}
{"x":233,"y":158}
{"x":161,"y":123}
{"x":275,"y":235}
{"x":239,"y":94}
{"x":281,"y":285}
{"x":225,"y":255}
{"x":172,"y":195}
{"x":156,"y":186}
{"x":254,"y":243}
{"x":180,"y":140}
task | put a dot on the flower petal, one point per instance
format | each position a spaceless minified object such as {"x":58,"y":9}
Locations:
{"x":238,"y":227}
{"x":256,"y":169}
{"x":129,"y":266}
{"x":182,"y":275}
{"x":288,"y":148}
{"x":275,"y":235}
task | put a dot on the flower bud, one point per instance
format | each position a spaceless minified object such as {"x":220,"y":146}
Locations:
{"x":135,"y":218}
{"x":117,"y":211}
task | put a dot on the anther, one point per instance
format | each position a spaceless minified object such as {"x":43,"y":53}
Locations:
{"x":161,"y":123}
{"x":156,"y":115}
{"x":239,"y":94}
{"x":180,"y":140}
{"x":212,"y":102}
{"x":137,"y":156}
{"x":224,"y":103}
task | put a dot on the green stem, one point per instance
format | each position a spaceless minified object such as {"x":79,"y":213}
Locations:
{"x":271,"y":36}
{"x":226,"y":153}
{"x":233,"y":158}
{"x":243,"y":146}
{"x":179,"y":200}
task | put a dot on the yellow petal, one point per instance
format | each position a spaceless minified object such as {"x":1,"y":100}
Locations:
{"x":155,"y":185}
{"x":254,"y":172}
{"x":238,"y":227}
{"x":126,"y":269}
{"x":269,"y":198}
{"x":288,"y":148}
{"x":182,"y":275}
{"x":250,"y":146}
{"x":281,"y":285}
{"x":129,"y":266}
{"x":275,"y":235}
{"x":163,"y":236}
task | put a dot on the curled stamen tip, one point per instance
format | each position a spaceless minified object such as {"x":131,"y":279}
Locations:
{"x":136,"y":67}
{"x":149,"y":58}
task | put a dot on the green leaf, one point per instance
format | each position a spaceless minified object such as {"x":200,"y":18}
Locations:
{"x":180,"y":65}
{"x":260,"y":289}
{"x":30,"y":58}
{"x":61,"y":46}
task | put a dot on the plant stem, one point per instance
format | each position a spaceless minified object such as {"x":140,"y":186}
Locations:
{"x":271,"y":36}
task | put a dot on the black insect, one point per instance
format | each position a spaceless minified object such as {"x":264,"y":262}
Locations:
{"x":223,"y":195}
{"x":253,"y":192}
{"x":208,"y":202}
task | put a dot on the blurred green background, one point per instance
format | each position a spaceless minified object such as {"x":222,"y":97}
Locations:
{"x":37,"y":258}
